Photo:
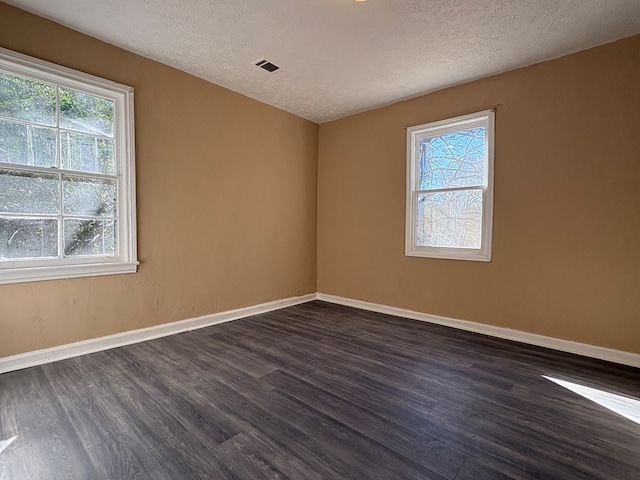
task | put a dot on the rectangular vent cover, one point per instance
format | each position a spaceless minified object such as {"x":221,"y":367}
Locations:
{"x":267,"y":65}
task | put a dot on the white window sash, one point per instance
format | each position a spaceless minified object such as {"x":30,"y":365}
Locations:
{"x":484,"y":119}
{"x":34,"y":269}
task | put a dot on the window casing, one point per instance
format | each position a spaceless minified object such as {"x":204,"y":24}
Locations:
{"x":67,"y":173}
{"x":449,"y":205}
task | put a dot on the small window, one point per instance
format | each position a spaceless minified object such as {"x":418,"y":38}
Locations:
{"x":450,"y":188}
{"x":67,"y":198}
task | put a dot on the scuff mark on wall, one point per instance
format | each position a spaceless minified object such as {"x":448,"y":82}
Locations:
{"x":38,"y":314}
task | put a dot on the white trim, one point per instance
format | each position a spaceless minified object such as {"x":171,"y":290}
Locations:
{"x":125,"y":259}
{"x":47,"y":355}
{"x":35,"y":67}
{"x":593,"y":351}
{"x":57,"y":272}
{"x":40,"y":357}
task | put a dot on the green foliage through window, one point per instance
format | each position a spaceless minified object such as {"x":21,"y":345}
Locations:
{"x":43,"y":125}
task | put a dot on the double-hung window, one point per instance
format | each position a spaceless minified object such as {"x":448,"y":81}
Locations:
{"x":449,"y":205}
{"x":67,"y":186}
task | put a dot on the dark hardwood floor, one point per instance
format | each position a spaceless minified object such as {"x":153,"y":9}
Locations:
{"x":318,"y":391}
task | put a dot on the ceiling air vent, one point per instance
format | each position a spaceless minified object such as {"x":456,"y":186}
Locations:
{"x":267,"y":65}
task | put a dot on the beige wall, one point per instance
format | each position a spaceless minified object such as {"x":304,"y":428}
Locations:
{"x":566,"y":249}
{"x":226,"y":202}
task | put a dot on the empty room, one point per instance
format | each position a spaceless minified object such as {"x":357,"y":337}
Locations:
{"x":319,"y":239}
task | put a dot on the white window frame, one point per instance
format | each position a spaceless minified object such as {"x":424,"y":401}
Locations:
{"x":484,"y":118}
{"x":125,"y":261}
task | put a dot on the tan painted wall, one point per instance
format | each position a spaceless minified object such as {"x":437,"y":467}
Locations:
{"x":226,"y":202}
{"x":566,"y":250}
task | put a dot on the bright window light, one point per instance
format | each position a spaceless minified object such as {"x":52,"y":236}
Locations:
{"x":4,"y":444}
{"x":622,"y":405}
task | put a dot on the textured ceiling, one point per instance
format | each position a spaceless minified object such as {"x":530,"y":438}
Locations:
{"x":339,"y":57}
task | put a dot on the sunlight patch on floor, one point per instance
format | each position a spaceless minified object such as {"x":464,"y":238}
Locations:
{"x":5,"y":443}
{"x":622,"y":405}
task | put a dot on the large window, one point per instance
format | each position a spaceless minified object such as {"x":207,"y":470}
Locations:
{"x":67,"y":198}
{"x":450,"y":188}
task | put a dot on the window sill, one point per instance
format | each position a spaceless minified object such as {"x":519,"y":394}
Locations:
{"x":451,"y":254}
{"x":36,"y":274}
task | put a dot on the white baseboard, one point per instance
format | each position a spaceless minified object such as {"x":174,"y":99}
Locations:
{"x":39,"y":357}
{"x":602,"y":353}
{"x":47,"y":355}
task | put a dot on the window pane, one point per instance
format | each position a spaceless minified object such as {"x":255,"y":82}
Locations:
{"x":28,"y":238}
{"x":449,"y":219}
{"x":452,"y":160}
{"x":27,"y":99}
{"x":89,"y":237}
{"x":22,"y":192}
{"x":27,"y":144}
{"x":86,"y":113}
{"x":93,"y":197}
{"x":86,"y":153}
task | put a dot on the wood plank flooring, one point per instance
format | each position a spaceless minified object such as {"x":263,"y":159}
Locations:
{"x":318,"y":391}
